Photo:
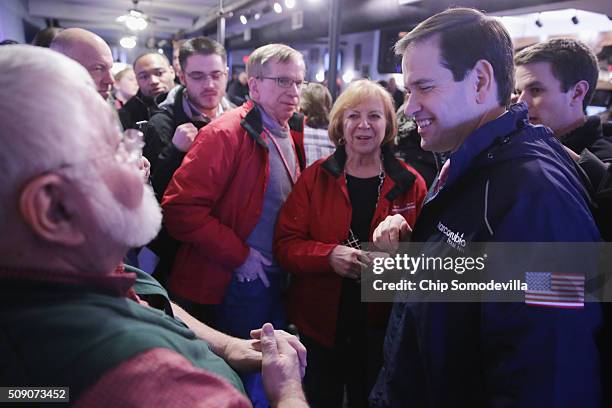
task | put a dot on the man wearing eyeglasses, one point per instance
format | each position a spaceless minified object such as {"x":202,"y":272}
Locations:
{"x":155,"y":78}
{"x":223,"y":201}
{"x":72,"y":202}
{"x":170,"y":132}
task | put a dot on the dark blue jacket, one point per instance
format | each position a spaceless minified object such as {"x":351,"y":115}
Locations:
{"x":508,"y":182}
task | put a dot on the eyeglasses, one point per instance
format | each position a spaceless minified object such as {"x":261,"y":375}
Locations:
{"x":129,"y":151}
{"x":285,"y":82}
{"x":130,"y":147}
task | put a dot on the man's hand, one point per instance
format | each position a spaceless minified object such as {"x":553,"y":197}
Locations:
{"x":242,"y":355}
{"x":145,"y":168}
{"x":293,"y":342}
{"x":184,"y":135}
{"x":252,"y":268}
{"x":348,"y":262}
{"x":575,"y":157}
{"x":390,"y":232}
{"x":281,"y":370}
{"x":245,"y":356}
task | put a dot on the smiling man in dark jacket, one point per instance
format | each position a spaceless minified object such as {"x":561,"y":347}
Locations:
{"x":505,"y":181}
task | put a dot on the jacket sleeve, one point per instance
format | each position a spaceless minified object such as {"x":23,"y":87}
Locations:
{"x":194,"y":191}
{"x":294,"y":248}
{"x":542,"y":357}
{"x":157,"y":136}
{"x":168,"y":161}
{"x":161,"y":378}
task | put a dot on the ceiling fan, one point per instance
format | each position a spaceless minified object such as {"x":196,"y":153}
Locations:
{"x":137,"y":20}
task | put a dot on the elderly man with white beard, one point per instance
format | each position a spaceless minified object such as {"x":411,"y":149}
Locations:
{"x":72,"y":202}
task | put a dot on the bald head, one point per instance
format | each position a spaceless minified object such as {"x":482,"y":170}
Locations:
{"x":89,"y":50}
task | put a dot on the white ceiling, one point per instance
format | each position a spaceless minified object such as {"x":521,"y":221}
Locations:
{"x":169,"y":16}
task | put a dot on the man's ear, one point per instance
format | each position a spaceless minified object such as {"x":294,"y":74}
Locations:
{"x":578,"y":93}
{"x":181,"y":76}
{"x":484,"y":80}
{"x":49,"y":206}
{"x":253,"y":88}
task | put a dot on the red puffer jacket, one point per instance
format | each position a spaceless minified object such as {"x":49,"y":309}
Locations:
{"x":315,"y":218}
{"x":215,"y":200}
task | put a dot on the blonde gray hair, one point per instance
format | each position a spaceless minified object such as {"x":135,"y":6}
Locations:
{"x":356,"y":93}
{"x":262,"y":55}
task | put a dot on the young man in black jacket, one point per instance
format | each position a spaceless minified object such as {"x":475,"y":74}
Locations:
{"x":155,"y":79}
{"x":171,"y":131}
{"x":557,"y":80}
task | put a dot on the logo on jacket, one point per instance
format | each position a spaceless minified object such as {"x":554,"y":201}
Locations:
{"x":454,"y":239}
{"x":400,"y":208}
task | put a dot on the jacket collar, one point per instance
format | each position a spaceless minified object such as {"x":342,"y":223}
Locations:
{"x":253,"y":125}
{"x":496,"y":132}
{"x":402,"y":178}
{"x":583,"y":136}
{"x":117,"y":283}
{"x":145,"y":100}
{"x":179,"y":114}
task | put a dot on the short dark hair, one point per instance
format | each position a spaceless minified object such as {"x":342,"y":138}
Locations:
{"x":571,"y":62}
{"x":315,"y":103}
{"x":44,"y":37}
{"x":466,"y":36}
{"x":200,"y":46}
{"x":144,"y":54}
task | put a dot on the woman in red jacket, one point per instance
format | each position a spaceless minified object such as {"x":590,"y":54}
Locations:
{"x":335,"y":206}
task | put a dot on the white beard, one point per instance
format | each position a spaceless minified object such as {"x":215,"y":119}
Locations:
{"x":129,"y":227}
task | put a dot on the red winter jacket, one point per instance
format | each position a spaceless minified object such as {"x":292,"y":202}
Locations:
{"x":215,"y":200}
{"x":315,"y":218}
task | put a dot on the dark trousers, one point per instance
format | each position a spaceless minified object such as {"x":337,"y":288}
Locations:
{"x":350,"y":366}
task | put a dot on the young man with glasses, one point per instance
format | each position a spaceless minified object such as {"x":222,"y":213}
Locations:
{"x":223,"y":201}
{"x":170,"y":132}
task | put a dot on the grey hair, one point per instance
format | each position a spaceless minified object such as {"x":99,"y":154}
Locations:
{"x":49,"y":119}
{"x":262,"y":55}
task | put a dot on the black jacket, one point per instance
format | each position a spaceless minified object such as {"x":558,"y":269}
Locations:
{"x":596,"y":150}
{"x":137,"y":109}
{"x":590,"y":136}
{"x":164,"y":157}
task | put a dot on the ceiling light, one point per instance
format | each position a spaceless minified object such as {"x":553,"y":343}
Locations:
{"x":128,"y":42}
{"x":257,"y":16}
{"x":348,"y":76}
{"x":320,"y":76}
{"x":243,"y":19}
{"x":160,"y":51}
{"x":290,"y":4}
{"x":278,"y":8}
{"x":135,"y":23}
